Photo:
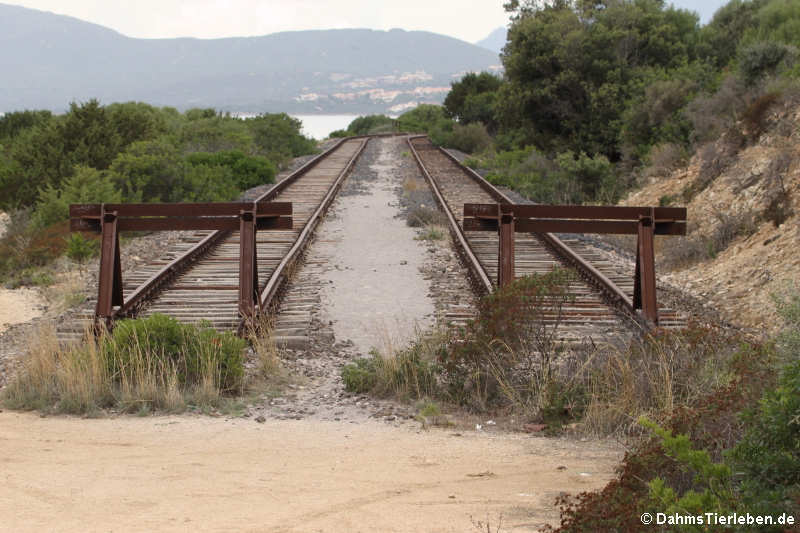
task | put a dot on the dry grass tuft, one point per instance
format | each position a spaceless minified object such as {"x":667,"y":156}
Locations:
{"x":143,"y":366}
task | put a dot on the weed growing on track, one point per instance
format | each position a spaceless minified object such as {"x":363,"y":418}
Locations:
{"x":143,"y":365}
{"x":431,"y":233}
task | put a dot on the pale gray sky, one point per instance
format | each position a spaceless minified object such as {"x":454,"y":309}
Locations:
{"x":470,"y":20}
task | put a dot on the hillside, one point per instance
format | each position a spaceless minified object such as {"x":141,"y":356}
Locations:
{"x":495,"y":41}
{"x":752,"y":202}
{"x":48,"y":59}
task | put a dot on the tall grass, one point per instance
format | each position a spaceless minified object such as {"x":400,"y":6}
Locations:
{"x":511,"y":359}
{"x":148,"y":364}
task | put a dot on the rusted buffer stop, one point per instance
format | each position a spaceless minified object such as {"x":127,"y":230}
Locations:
{"x":110,"y":219}
{"x":645,"y":222}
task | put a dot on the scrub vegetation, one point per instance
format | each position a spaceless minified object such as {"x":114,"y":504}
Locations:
{"x":129,"y":152}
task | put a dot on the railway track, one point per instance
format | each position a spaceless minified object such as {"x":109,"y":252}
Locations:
{"x":594,"y":310}
{"x":197,"y":280}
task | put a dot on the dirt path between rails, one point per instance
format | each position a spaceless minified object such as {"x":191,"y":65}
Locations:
{"x":185,"y":473}
{"x":375,"y":292}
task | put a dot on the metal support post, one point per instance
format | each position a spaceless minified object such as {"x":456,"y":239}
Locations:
{"x":505,"y":259}
{"x":644,"y":289}
{"x":248,"y":266}
{"x":109,"y":291}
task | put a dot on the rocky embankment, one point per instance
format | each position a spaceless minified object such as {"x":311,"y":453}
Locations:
{"x":746,"y":192}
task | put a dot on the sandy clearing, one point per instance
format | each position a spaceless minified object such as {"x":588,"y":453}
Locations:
{"x":19,"y":305}
{"x":185,"y":473}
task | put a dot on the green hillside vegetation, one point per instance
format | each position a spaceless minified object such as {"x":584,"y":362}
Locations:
{"x":129,"y":152}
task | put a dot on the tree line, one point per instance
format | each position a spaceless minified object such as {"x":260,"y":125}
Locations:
{"x":595,"y":92}
{"x":135,"y":152}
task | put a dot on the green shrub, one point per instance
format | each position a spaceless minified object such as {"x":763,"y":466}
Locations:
{"x":277,"y":136}
{"x":767,"y":459}
{"x":594,"y":176}
{"x":471,"y":138}
{"x":87,"y":185}
{"x":214,"y":134}
{"x":431,"y":233}
{"x":79,"y":248}
{"x":667,"y":200}
{"x":762,"y":58}
{"x":371,"y":124}
{"x":360,"y":376}
{"x":247,"y":171}
{"x":788,"y":305}
{"x":190,"y":350}
{"x":710,"y":424}
{"x":409,"y":373}
{"x":657,"y":117}
{"x":425,"y":118}
{"x":507,"y":353}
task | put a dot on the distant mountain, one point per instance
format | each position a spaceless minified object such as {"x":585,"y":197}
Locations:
{"x":47,"y":60}
{"x":495,"y":41}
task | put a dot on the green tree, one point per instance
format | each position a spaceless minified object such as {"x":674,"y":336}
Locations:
{"x":720,"y":38}
{"x":38,"y":157}
{"x":87,"y":185}
{"x":12,"y":123}
{"x":216,"y":134}
{"x":472,"y":98}
{"x":371,"y":124}
{"x":246,"y":171}
{"x":572,"y":66}
{"x":150,"y":171}
{"x":89,"y":135}
{"x":278,"y":137}
{"x":136,"y":121}
{"x":425,"y":118}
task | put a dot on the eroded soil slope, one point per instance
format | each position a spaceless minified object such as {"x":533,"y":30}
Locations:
{"x":753,"y":191}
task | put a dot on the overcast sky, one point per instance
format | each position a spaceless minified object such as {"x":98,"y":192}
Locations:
{"x":470,"y":20}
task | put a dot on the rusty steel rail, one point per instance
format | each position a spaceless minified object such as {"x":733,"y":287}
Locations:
{"x":612,"y":291}
{"x":222,"y":229}
{"x":644,"y":222}
{"x":613,"y":294}
{"x":480,"y":280}
{"x":158,"y":281}
{"x":111,"y":219}
{"x":280,"y":276}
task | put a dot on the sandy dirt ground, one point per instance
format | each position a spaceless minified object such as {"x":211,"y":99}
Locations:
{"x":21,"y":305}
{"x":18,"y":306}
{"x":186,"y":473}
